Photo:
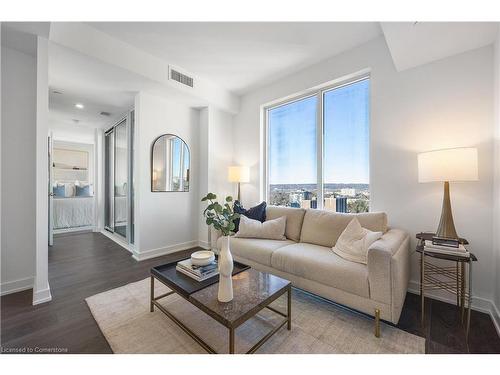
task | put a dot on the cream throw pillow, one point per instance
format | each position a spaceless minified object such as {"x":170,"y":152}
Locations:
{"x":271,"y":229}
{"x":354,"y":242}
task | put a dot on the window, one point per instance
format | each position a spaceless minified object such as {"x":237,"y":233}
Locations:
{"x":292,"y":153}
{"x":329,"y":171}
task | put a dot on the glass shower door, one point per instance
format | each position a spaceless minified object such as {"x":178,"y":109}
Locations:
{"x":109,"y":150}
{"x":121,"y":179}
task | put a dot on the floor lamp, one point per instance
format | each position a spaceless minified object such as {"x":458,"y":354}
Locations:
{"x":238,"y":174}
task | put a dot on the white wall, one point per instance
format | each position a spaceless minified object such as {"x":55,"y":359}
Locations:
{"x":216,"y":155}
{"x":68,"y":133}
{"x":443,"y":104}
{"x":166,"y":221}
{"x":41,"y":288}
{"x":496,"y":171}
{"x":18,"y":170}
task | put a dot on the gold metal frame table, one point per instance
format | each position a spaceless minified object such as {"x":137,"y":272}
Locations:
{"x":452,"y":279}
{"x":253,"y":291}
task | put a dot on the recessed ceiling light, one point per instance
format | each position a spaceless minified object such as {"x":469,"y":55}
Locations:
{"x":79,"y":106}
{"x":75,"y":121}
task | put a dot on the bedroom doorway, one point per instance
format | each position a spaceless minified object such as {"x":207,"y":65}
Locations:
{"x":118,"y":184}
{"x":71,"y":187}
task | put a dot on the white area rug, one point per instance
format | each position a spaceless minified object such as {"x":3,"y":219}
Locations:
{"x":317,"y":326}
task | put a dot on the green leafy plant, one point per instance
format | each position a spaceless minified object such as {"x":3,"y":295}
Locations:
{"x":220,"y":216}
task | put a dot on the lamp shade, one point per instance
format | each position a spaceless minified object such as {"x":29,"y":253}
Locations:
{"x":238,"y":174}
{"x":453,"y":164}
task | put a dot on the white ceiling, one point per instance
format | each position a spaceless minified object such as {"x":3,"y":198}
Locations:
{"x":242,"y":56}
{"x":415,"y":43}
{"x":96,"y":85}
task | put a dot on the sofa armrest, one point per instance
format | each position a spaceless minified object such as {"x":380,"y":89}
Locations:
{"x":389,"y":268}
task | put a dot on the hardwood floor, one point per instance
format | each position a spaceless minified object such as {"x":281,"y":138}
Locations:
{"x":81,"y":265}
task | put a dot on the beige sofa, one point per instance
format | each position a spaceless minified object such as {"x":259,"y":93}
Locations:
{"x":306,"y":259}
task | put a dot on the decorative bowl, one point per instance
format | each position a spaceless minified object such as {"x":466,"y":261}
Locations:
{"x":202,"y":258}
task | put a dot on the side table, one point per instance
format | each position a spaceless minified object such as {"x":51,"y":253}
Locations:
{"x":453,"y":279}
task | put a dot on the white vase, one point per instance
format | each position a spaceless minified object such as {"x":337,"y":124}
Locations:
{"x":225,"y":272}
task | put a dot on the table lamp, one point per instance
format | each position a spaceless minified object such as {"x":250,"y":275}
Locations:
{"x":238,"y":174}
{"x":454,"y":164}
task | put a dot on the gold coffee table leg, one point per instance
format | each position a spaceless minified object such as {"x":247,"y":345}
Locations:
{"x":231,"y":340}
{"x":289,"y":309}
{"x":151,"y":304}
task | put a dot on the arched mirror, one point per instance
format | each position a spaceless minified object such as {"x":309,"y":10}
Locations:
{"x":169,"y":164}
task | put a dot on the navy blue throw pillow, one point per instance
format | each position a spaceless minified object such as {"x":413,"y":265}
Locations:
{"x":257,"y":213}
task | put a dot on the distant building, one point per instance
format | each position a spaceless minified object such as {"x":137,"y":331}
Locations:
{"x":305,"y":203}
{"x":330,"y":204}
{"x":341,"y":204}
{"x":348,"y":192}
{"x":307,"y":195}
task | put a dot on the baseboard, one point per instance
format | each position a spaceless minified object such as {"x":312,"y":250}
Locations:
{"x":118,"y":240}
{"x":204,"y":244}
{"x":41,"y":296}
{"x":478,"y":303}
{"x":15,"y":286}
{"x":496,"y":318}
{"x":153,"y":253}
{"x":74,"y":229}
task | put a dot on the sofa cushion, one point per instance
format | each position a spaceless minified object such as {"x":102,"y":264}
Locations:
{"x":255,"y":249}
{"x":324,"y":227}
{"x":321,"y":264}
{"x":294,"y":218}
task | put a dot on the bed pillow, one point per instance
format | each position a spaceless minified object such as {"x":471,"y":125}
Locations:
{"x":256,"y":213}
{"x":69,"y":189}
{"x":82,"y":191}
{"x":59,"y":191}
{"x":354,"y":242}
{"x":271,"y":229}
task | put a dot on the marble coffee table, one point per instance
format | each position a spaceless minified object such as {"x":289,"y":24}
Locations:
{"x":253,"y":291}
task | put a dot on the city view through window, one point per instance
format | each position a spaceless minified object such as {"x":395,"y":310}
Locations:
{"x":293,"y":150}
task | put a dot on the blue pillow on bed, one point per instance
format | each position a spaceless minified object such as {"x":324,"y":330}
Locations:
{"x":82,"y":191}
{"x":59,"y":191}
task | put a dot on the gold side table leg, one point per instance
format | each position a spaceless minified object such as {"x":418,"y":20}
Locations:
{"x":462,"y":291}
{"x":469,"y":278}
{"x":422,"y":296}
{"x":151,"y":304}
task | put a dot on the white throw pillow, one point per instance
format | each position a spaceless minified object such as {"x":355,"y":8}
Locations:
{"x":271,"y":229}
{"x":69,"y":189}
{"x":354,"y":242}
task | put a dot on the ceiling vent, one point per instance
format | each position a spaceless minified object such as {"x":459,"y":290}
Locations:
{"x":103,"y":113}
{"x":182,"y":78}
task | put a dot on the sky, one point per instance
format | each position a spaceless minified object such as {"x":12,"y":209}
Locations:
{"x":292,"y":138}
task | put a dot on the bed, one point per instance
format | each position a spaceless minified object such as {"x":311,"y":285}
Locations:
{"x":73,"y":212}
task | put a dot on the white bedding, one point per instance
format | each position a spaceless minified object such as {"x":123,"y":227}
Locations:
{"x":73,"y":212}
{"x":120,"y":209}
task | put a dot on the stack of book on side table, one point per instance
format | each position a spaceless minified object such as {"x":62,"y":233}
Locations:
{"x":199,"y":273}
{"x":460,"y":251}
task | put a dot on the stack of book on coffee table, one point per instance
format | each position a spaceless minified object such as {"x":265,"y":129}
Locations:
{"x":460,"y":251}
{"x":199,"y":273}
